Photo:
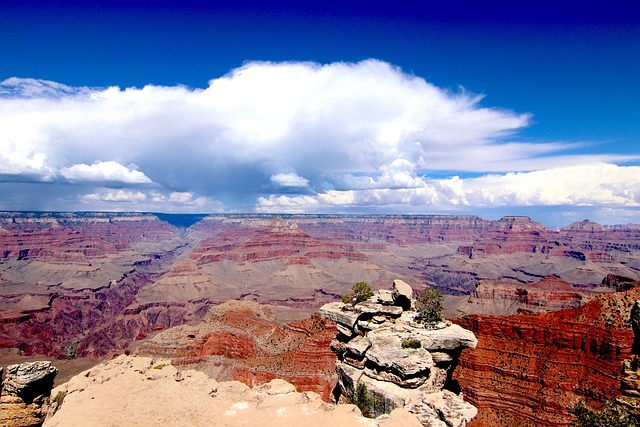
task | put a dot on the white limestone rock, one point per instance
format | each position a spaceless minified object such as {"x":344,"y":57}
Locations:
{"x":337,"y":312}
{"x":402,"y":294}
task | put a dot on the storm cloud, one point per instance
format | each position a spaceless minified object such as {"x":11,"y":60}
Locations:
{"x":289,"y":136}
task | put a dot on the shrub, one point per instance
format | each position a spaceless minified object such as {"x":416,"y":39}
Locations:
{"x":429,"y":304}
{"x":347,"y":298}
{"x":59,"y":398}
{"x":411,"y":343}
{"x":609,"y":416}
{"x":361,"y":291}
{"x":363,"y":400}
{"x":160,"y":366}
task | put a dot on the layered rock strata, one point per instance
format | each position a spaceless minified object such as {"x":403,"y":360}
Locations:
{"x":529,"y":369}
{"x":134,"y":391}
{"x":24,"y":399}
{"x":90,"y":284}
{"x":402,"y":363}
{"x":241,"y":340}
{"x":630,"y":386}
{"x":505,"y":297}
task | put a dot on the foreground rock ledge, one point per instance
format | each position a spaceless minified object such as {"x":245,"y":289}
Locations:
{"x":24,"y":399}
{"x":135,"y":391}
{"x":370,"y":351}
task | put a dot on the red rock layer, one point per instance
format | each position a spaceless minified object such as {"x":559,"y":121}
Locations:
{"x":71,"y":238}
{"x":245,"y":342}
{"x":549,"y":294}
{"x":532,"y":368}
{"x":105,"y":257}
{"x":585,"y":241}
{"x":245,"y":242}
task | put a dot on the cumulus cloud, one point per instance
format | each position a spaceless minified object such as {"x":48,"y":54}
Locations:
{"x":586,"y":185}
{"x":104,"y":171}
{"x":290,"y":179}
{"x":149,"y":201}
{"x":290,"y":135}
{"x":120,"y":196}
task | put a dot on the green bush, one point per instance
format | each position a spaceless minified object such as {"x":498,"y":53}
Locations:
{"x":429,"y":304}
{"x":411,"y":343}
{"x":609,"y":416}
{"x":60,"y":398}
{"x":363,"y":400}
{"x":347,"y":298}
{"x":361,"y":291}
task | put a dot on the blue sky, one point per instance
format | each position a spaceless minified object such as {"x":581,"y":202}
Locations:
{"x":493,"y":108}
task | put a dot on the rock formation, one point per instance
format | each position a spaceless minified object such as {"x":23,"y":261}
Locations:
{"x":529,"y":369}
{"x":134,"y":391}
{"x":241,"y":340}
{"x":24,"y":399}
{"x":401,"y":362}
{"x":630,"y":386}
{"x":506,"y":297}
{"x":87,"y":284}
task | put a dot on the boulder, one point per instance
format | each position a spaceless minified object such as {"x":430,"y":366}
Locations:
{"x":402,"y":294}
{"x":384,"y":297}
{"x":358,"y":345}
{"x":337,"y":312}
{"x":387,"y":353}
{"x":368,"y":307}
{"x":449,"y":338}
{"x":24,"y":400}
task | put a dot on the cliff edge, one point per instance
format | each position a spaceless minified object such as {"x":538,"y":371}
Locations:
{"x":401,"y":363}
{"x":134,"y":391}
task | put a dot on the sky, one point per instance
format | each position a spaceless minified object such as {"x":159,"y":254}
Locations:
{"x":485,"y":108}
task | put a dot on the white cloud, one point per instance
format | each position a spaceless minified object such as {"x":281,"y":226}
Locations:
{"x":119,"y":196}
{"x":34,"y":88}
{"x":288,"y":180}
{"x":104,"y":171}
{"x":586,"y":185}
{"x":150,"y":201}
{"x":332,"y":136}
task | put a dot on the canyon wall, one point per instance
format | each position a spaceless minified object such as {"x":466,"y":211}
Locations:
{"x":94,"y":284}
{"x":529,"y":369}
{"x":241,"y":340}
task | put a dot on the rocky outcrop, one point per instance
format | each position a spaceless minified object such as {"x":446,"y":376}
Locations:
{"x":24,"y":399}
{"x":132,"y":391}
{"x":630,"y":386}
{"x":506,"y":297}
{"x":529,"y":369}
{"x":619,"y":283}
{"x":402,"y":363}
{"x":241,"y":340}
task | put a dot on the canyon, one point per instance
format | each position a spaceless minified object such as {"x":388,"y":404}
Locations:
{"x":529,"y":369}
{"x":218,"y":292}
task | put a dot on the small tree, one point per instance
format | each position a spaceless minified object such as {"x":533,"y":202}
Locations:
{"x":429,"y":304}
{"x":361,"y":291}
{"x":362,"y":399}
